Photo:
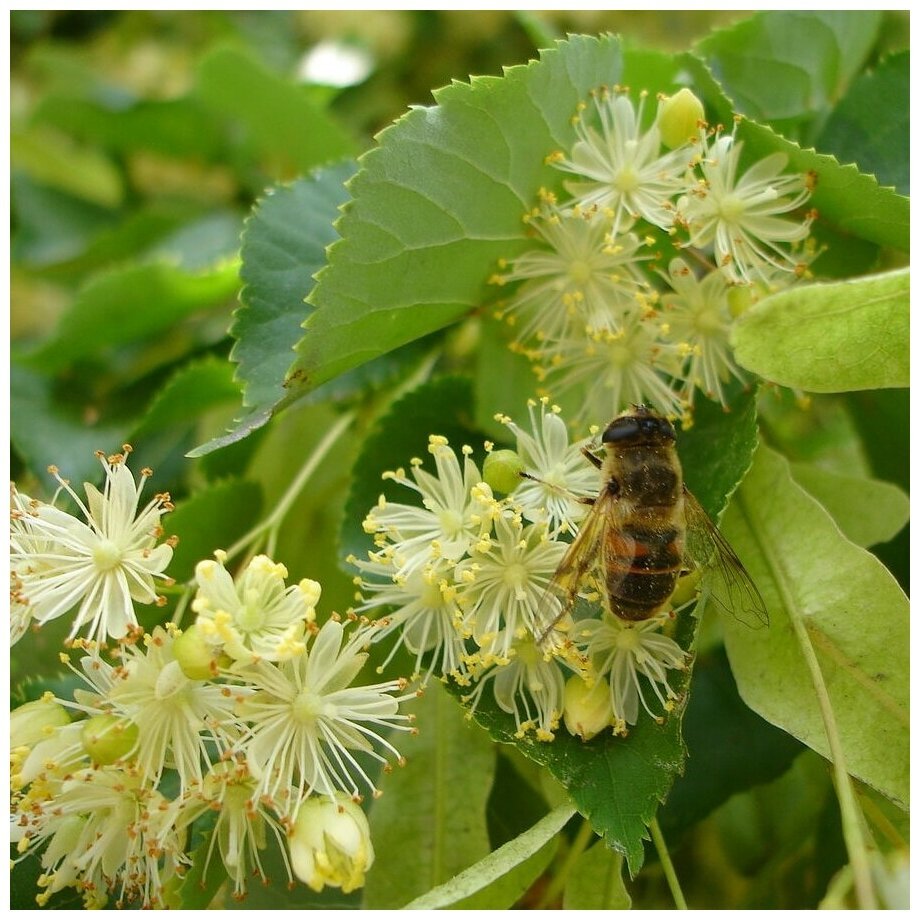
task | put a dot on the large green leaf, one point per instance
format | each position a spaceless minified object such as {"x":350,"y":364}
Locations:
{"x":849,"y":201}
{"x":439,"y":201}
{"x":856,"y":619}
{"x":496,"y":882}
{"x":871,"y":124}
{"x":596,"y":882}
{"x":849,"y":335}
{"x":132,"y":303}
{"x":790,"y":66}
{"x":430,"y":823}
{"x":867,"y":511}
{"x":284,"y":245}
{"x":278,"y":118}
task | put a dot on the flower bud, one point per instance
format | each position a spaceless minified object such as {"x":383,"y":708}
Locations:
{"x":586,"y":709}
{"x":679,"y":117}
{"x":687,"y":588}
{"x":740,"y":297}
{"x":33,"y":722}
{"x":502,"y":470}
{"x":197,"y":657}
{"x":330,"y":843}
{"x":108,"y":738}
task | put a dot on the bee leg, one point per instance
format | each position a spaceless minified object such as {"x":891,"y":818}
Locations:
{"x":595,"y":460}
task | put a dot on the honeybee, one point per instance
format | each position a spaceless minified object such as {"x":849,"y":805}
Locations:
{"x":645,"y":529}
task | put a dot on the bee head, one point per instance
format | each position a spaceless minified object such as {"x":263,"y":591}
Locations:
{"x":639,"y":426}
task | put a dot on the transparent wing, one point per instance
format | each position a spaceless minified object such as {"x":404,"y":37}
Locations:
{"x":579,"y":560}
{"x":732,"y":589}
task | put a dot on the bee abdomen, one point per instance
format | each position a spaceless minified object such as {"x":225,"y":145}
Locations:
{"x":642,"y":570}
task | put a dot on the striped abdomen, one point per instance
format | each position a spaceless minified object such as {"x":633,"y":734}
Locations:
{"x":644,"y":554}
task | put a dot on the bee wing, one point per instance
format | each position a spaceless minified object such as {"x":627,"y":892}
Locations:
{"x":733,"y":589}
{"x":579,"y":559}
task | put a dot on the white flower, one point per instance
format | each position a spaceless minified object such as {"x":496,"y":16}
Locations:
{"x":623,"y":654}
{"x":424,"y":613}
{"x":457,"y":511}
{"x":611,"y":370}
{"x":240,"y":829}
{"x":621,"y":167}
{"x":698,"y":320}
{"x":331,"y":843}
{"x":559,"y":469}
{"x":182,"y":723}
{"x":745,"y":218}
{"x":525,"y":684}
{"x":256,"y":616}
{"x":103,"y":565}
{"x":306,"y":723}
{"x":106,"y":830}
{"x":586,"y":277}
{"x":506,"y":586}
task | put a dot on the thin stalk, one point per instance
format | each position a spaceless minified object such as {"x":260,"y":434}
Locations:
{"x":673,"y":883}
{"x":274,"y":520}
{"x":557,"y":883}
{"x":849,"y":810}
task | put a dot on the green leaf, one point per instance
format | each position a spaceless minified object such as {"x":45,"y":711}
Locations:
{"x":53,"y":425}
{"x":283,"y":246}
{"x":431,"y":816}
{"x":197,"y":889}
{"x":278,"y":117}
{"x":498,"y":881}
{"x":193,"y":390}
{"x":857,"y":622}
{"x":54,"y":160}
{"x":596,"y":882}
{"x":729,"y":747}
{"x":211,"y":518}
{"x":849,"y":335}
{"x":439,"y":201}
{"x":871,"y":124}
{"x":846,"y":199}
{"x":790,"y":66}
{"x":867,"y":511}
{"x":130,"y":304}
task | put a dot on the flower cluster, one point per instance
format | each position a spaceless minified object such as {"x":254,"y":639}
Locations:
{"x":251,"y":722}
{"x":593,"y":310}
{"x":486,"y":614}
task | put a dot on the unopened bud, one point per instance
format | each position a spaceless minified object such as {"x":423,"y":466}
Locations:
{"x":330,"y":843}
{"x":687,"y":588}
{"x":502,"y":471}
{"x":197,"y":657}
{"x":740,"y":297}
{"x":679,"y":117}
{"x":108,"y":738}
{"x":586,"y":709}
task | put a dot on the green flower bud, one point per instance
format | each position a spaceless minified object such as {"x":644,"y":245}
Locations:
{"x":679,"y":117}
{"x":740,"y":297}
{"x":687,"y":588}
{"x":108,"y":738}
{"x":586,"y":710}
{"x":197,"y":657}
{"x":502,"y":471}
{"x":330,"y":843}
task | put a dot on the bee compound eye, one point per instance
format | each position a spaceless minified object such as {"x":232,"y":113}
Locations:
{"x":621,"y":429}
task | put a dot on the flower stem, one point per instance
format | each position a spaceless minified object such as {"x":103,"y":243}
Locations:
{"x":667,"y":865}
{"x":274,"y":520}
